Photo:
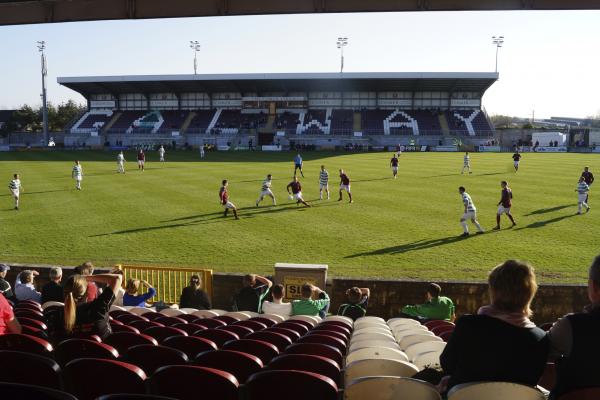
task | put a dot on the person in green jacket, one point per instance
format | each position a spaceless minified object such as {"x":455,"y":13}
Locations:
{"x":436,"y":306}
{"x":308,"y":306}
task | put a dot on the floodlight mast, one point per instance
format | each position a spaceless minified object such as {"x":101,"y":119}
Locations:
{"x":195,"y":45}
{"x":341,"y":43}
{"x":498,"y":41}
{"x":41,"y":45}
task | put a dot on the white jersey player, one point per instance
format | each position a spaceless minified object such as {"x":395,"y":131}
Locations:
{"x":582,"y":194}
{"x":161,"y":153}
{"x":470,"y":212}
{"x":15,"y":189}
{"x":323,"y":182}
{"x":466,"y":163}
{"x":120,"y":163}
{"x":77,"y":174}
{"x":266,"y":191}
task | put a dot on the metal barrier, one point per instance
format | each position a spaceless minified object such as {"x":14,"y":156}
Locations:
{"x":168,"y":282}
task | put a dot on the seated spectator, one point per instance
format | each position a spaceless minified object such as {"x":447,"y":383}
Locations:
{"x":5,"y":287}
{"x":500,"y":343}
{"x":252,"y":294}
{"x":435,"y":307}
{"x":193,"y":296}
{"x":277,"y":306}
{"x":8,"y":322}
{"x":132,"y":296}
{"x":307,"y":306}
{"x":573,"y":342}
{"x":85,"y":269}
{"x":358,"y":301}
{"x":24,"y":287}
{"x":79,"y":316}
{"x":53,"y":291}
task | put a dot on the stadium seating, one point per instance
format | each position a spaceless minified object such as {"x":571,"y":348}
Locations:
{"x":25,"y":368}
{"x":297,"y":385}
{"x":72,"y":349}
{"x":277,"y":339}
{"x":123,"y":341}
{"x":378,"y":367}
{"x":494,"y":391}
{"x":22,"y":391}
{"x":149,"y":357}
{"x":25,"y":343}
{"x":176,"y":381}
{"x":160,"y":333}
{"x":582,"y":394}
{"x":389,"y":387}
{"x":239,"y":364}
{"x":190,"y":345}
{"x":218,"y":336}
{"x":318,"y":350}
{"x":263,"y":350}
{"x":307,"y":362}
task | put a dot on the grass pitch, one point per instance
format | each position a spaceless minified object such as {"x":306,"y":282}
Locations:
{"x":404,"y":228}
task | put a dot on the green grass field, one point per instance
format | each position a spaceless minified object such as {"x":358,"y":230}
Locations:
{"x":404,"y":228}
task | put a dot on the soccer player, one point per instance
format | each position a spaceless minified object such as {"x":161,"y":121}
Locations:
{"x":161,"y":153}
{"x":394,"y":164}
{"x":323,"y":182}
{"x":77,"y":174}
{"x":224,"y":198}
{"x":15,"y":187}
{"x":345,"y":185}
{"x":469,"y":213}
{"x":120,"y":163}
{"x":141,"y":160}
{"x":266,"y":191}
{"x":589,"y":179}
{"x":504,"y":205}
{"x":516,"y":158}
{"x":582,"y":194}
{"x":466,"y":163}
{"x":296,"y":191}
{"x":298,"y":164}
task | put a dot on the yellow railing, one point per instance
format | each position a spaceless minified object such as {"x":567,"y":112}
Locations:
{"x":168,"y":282}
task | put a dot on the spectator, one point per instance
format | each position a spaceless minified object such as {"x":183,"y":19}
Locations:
{"x":573,"y":342}
{"x":5,"y":287}
{"x":358,"y":301}
{"x":307,"y":306}
{"x":132,"y":290}
{"x":85,"y":269}
{"x":500,"y":343}
{"x":24,"y":287}
{"x":82,"y":317}
{"x":277,"y":306}
{"x":435,"y":307}
{"x":53,"y":291}
{"x":252,"y":294}
{"x":193,"y":296}
{"x":8,"y":322}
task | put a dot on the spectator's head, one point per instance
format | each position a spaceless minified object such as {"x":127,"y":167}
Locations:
{"x":132,"y":287}
{"x":56,"y":274}
{"x":27,"y":276}
{"x":195,"y":281}
{"x":512,"y":286}
{"x":433,"y":291}
{"x":354,"y":295}
{"x":278,"y":292}
{"x":249,"y":280}
{"x":4,"y":270}
{"x":461,"y":189}
{"x":87,"y":268}
{"x":594,"y":281}
{"x":306,"y":291}
{"x":74,"y":289}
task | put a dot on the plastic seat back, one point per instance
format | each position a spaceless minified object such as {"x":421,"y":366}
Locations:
{"x":316,"y":349}
{"x":308,"y":362}
{"x":160,"y":333}
{"x":25,"y":343}
{"x":239,"y":364}
{"x":494,"y":391}
{"x":277,"y":339}
{"x":408,"y":341}
{"x":254,"y":325}
{"x":292,"y":335}
{"x":170,"y":321}
{"x":582,"y":394}
{"x":27,"y":368}
{"x":149,"y":357}
{"x":263,"y":350}
{"x":218,"y":336}
{"x":378,"y":367}
{"x":192,"y":382}
{"x":424,"y":347}
{"x":295,"y":326}
{"x":297,"y":385}
{"x":72,"y":349}
{"x":389,"y":387}
{"x":123,"y":341}
{"x":21,"y":391}
{"x":374,"y":353}
{"x":323,"y":339}
{"x":241,"y":331}
{"x":269,"y":322}
{"x":190,"y":345}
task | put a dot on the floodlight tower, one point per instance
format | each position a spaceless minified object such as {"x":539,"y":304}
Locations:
{"x":195,"y":45}
{"x":341,"y":43}
{"x":41,"y":45}
{"x":498,"y":41}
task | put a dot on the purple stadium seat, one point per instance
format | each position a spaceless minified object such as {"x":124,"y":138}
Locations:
{"x":210,"y":323}
{"x":226,"y":318}
{"x":34,"y":323}
{"x":295,"y":326}
{"x":297,"y":385}
{"x":335,"y":328}
{"x":280,"y":341}
{"x":263,"y":320}
{"x":143,"y":325}
{"x":218,"y":336}
{"x":170,"y":321}
{"x":26,"y":368}
{"x":190,"y":318}
{"x":293,"y":335}
{"x":160,"y":333}
{"x":316,"y":349}
{"x":21,"y":391}
{"x":72,"y":349}
{"x":81,"y":378}
{"x":327,"y":332}
{"x":241,"y":365}
{"x":239,"y":330}
{"x":123,"y":341}
{"x":308,"y":362}
{"x":128,"y":318}
{"x":254,"y":325}
{"x":150,"y":358}
{"x":190,"y":345}
{"x":25,"y":343}
{"x":208,"y":383}
{"x":582,"y":394}
{"x":122,"y":328}
{"x":323,"y":339}
{"x":190,"y":329}
{"x":263,"y":350}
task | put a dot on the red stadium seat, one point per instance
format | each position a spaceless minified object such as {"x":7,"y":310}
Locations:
{"x":280,"y":341}
{"x":297,"y":385}
{"x":446,"y":335}
{"x":160,"y":333}
{"x":293,"y":335}
{"x":190,"y":318}
{"x":226,"y":318}
{"x":21,"y":391}
{"x":327,"y":332}
{"x":334,"y":328}
{"x":72,"y":349}
{"x":239,"y":330}
{"x":316,"y":349}
{"x":25,"y":343}
{"x":548,"y":379}
{"x":143,"y":325}
{"x":128,"y":318}
{"x":190,"y":345}
{"x":26,"y":368}
{"x":323,"y":339}
{"x":152,"y":315}
{"x":208,"y":383}
{"x":438,"y":330}
{"x":218,"y":336}
{"x":254,"y":325}
{"x":34,"y":332}
{"x":190,"y":329}
{"x":89,"y":378}
{"x":150,"y":358}
{"x":170,"y":321}
{"x":117,"y":313}
{"x":29,"y":302}
{"x":263,"y":350}
{"x":308,"y":362}
{"x":295,"y":326}
{"x":210,"y":323}
{"x":241,"y":365}
{"x":34,"y":323}
{"x":86,"y":335}
{"x":123,"y":341}
{"x":582,"y":394}
{"x":120,"y":396}
{"x":343,"y":324}
{"x":263,"y":320}
{"x":27,"y":306}
{"x":432,"y":324}
{"x":122,"y":328}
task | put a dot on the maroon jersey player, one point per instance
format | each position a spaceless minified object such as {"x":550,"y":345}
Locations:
{"x":294,"y":188}
{"x":394,"y":164}
{"x":504,"y":205}
{"x":345,"y":185}
{"x":224,"y":200}
{"x":141,"y":157}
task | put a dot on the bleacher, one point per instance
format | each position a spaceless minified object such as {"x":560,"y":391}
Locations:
{"x":314,"y":121}
{"x":469,"y":122}
{"x":91,"y":121}
{"x":126,"y":120}
{"x":173,"y":120}
{"x":342,"y":122}
{"x":201,"y":121}
{"x":286,"y":121}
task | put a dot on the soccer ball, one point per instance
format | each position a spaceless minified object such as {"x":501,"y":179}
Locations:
{"x":291,"y":197}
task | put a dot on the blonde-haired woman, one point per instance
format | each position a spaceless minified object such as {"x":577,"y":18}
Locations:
{"x":500,"y":343}
{"x":132,"y":296}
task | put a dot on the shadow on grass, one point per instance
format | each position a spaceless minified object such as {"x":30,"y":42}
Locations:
{"x":414,"y":246}
{"x":23,"y":193}
{"x":373,"y":180}
{"x":541,"y":224}
{"x":549,"y":210}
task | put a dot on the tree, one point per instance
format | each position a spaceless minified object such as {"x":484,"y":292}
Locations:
{"x":502,"y":121}
{"x":28,"y":119}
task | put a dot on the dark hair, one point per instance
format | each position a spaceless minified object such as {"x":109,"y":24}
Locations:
{"x":354,"y":295}
{"x":462,"y":189}
{"x":249,"y":280}
{"x":306,"y":290}
{"x":224,"y":181}
{"x":434,"y":289}
{"x":277,"y":291}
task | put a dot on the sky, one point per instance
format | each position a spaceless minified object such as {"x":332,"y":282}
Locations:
{"x":549,"y":63}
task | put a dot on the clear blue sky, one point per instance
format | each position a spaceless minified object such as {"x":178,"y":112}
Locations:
{"x":550,"y":61}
